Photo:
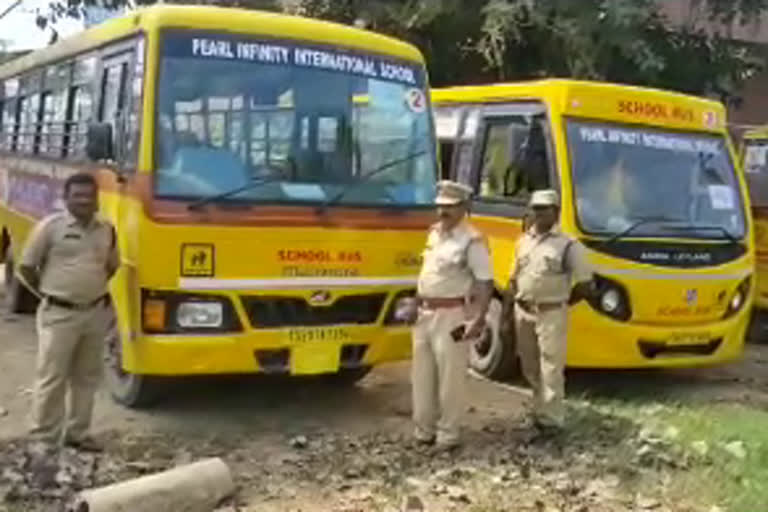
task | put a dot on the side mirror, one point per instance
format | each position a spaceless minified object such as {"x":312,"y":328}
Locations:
{"x":98,"y":144}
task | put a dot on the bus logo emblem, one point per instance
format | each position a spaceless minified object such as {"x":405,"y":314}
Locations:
{"x":691,"y":296}
{"x":319,"y":297}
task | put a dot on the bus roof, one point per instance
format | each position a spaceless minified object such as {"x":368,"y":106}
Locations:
{"x":224,"y":19}
{"x":600,"y":100}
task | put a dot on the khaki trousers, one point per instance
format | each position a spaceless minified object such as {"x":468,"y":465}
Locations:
{"x":541,"y":345}
{"x":69,"y":366}
{"x":439,"y":372}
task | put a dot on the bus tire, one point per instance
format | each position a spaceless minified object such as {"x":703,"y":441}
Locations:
{"x":128,"y":389}
{"x":495,"y":355}
{"x":347,"y":376}
{"x":18,"y":300}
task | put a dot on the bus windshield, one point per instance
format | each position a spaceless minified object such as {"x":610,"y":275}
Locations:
{"x":654,"y":183}
{"x":299,"y":123}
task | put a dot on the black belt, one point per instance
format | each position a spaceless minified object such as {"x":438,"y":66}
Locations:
{"x":62,"y":303}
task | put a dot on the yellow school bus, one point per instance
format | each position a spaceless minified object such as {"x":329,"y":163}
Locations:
{"x":268,"y":220}
{"x":648,"y":184}
{"x":754,"y":152}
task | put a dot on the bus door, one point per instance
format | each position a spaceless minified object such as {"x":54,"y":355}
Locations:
{"x":115,"y":109}
{"x":504,"y":152}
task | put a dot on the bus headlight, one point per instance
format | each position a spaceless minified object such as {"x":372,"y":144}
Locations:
{"x":180,"y":312}
{"x":739,"y":298}
{"x":736,"y":301}
{"x":200,"y":314}
{"x":610,"y":300}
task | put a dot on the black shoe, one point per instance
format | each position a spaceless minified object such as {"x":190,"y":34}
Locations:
{"x":446,"y":448}
{"x":86,"y":444}
{"x":547,"y":431}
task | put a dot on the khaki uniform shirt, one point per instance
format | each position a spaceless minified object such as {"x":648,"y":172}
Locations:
{"x":72,"y":259}
{"x":547,"y":266}
{"x":453,"y":262}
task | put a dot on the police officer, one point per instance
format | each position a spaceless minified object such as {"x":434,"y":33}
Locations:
{"x":550,"y":274}
{"x":67,"y":262}
{"x":454,"y":289}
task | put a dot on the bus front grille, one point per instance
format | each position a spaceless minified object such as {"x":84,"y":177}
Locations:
{"x":268,"y":312}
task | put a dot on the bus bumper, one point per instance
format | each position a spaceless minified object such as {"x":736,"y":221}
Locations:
{"x":275,"y":351}
{"x":596,"y":341}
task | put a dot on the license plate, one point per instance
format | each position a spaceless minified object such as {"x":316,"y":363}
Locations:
{"x":689,"y":339}
{"x":317,"y":334}
{"x":309,"y":359}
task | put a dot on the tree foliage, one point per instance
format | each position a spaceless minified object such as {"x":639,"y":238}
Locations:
{"x":472,"y":41}
{"x":627,"y":41}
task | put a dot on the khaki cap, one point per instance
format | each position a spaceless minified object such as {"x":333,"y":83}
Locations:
{"x":545,"y":198}
{"x":452,"y":193}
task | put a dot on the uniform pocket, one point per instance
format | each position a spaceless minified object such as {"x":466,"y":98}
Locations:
{"x":551,"y":262}
{"x":450,"y":257}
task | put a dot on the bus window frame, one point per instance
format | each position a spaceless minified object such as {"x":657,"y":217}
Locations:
{"x":732,"y":158}
{"x":123,"y":52}
{"x":165,"y":32}
{"x":32,"y":81}
{"x":510,"y":207}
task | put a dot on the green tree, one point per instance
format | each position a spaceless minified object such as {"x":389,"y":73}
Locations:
{"x":626,"y":41}
{"x":474,"y":41}
{"x":446,"y":31}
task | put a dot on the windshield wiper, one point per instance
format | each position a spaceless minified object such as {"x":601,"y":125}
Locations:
{"x":255,"y":183}
{"x":704,"y":227}
{"x":639,"y":222}
{"x":392,"y":163}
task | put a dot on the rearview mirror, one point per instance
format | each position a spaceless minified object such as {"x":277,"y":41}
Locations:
{"x":99,"y":142}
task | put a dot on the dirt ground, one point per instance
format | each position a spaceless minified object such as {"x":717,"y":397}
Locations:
{"x":296,"y":445}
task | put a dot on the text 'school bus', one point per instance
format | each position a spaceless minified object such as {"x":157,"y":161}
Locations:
{"x":648,"y":184}
{"x":267,"y":219}
{"x":754,"y":154}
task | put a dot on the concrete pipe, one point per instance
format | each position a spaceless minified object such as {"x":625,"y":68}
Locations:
{"x":196,"y":487}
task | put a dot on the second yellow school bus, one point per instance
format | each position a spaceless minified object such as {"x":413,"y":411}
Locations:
{"x":268,"y":217}
{"x":754,"y":153}
{"x":648,"y":184}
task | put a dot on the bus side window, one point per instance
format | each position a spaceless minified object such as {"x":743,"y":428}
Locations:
{"x":79,"y":115}
{"x":514,"y":159}
{"x":112,"y":88}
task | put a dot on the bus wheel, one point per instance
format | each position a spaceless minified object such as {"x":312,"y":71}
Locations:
{"x":131,"y":390}
{"x":18,"y":299}
{"x":494,"y":355}
{"x":347,"y":376}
